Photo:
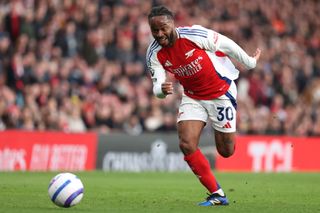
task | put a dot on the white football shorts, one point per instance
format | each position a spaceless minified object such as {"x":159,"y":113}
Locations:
{"x":221,"y":111}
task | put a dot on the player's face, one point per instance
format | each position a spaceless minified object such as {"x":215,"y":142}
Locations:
{"x":162,"y":29}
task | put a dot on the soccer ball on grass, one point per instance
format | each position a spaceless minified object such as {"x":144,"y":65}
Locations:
{"x":65,"y":190}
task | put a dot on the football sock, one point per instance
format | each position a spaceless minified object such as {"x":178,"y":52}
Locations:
{"x":201,"y":168}
{"x":219,"y":191}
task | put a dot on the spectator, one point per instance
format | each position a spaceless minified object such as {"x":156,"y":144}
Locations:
{"x":79,"y":65}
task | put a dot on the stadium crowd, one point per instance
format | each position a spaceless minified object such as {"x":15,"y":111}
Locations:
{"x":79,"y":65}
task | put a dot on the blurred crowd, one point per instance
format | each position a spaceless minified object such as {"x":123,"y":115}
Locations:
{"x":79,"y":65}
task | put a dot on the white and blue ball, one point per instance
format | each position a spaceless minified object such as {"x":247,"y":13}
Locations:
{"x":65,"y":190}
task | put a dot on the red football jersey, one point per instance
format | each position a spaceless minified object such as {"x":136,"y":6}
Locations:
{"x":192,"y":59}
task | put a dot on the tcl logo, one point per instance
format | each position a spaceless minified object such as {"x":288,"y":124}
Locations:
{"x":274,"y":156}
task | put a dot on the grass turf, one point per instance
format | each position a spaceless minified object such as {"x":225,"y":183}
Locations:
{"x":164,"y":192}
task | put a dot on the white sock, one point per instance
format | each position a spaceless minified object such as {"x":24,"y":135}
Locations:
{"x":219,"y":191}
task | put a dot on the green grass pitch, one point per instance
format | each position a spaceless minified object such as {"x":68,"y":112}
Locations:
{"x":164,"y":192}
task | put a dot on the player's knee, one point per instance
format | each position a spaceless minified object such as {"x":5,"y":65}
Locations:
{"x":227,"y":149}
{"x":225,"y":143}
{"x":226,"y":153}
{"x":187,"y":147}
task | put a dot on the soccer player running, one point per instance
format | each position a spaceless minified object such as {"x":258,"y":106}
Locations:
{"x":198,"y":58}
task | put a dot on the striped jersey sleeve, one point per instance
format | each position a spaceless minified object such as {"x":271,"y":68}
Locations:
{"x":212,"y":41}
{"x":157,"y":72}
{"x":205,"y":38}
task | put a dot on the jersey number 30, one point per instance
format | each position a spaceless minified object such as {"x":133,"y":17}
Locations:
{"x":225,"y":113}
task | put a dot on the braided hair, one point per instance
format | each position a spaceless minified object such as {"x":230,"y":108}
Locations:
{"x":160,"y":11}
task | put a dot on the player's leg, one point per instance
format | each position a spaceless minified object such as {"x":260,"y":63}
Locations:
{"x":191,"y":120}
{"x":225,"y":143}
{"x":189,"y":132}
{"x":224,"y":125}
{"x":224,"y":138}
{"x":189,"y":135}
{"x":222,"y":112}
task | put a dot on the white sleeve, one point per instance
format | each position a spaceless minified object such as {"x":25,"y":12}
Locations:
{"x":158,"y":74}
{"x":210,"y":40}
{"x":233,"y":50}
{"x":204,"y":38}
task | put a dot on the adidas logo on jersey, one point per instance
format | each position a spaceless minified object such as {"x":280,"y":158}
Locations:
{"x":167,"y":64}
{"x":189,"y":53}
{"x":227,"y":125}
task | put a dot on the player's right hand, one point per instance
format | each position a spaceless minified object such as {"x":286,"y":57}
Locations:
{"x":167,"y":88}
{"x":257,"y":54}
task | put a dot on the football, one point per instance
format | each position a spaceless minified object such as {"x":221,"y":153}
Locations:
{"x":65,"y":190}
